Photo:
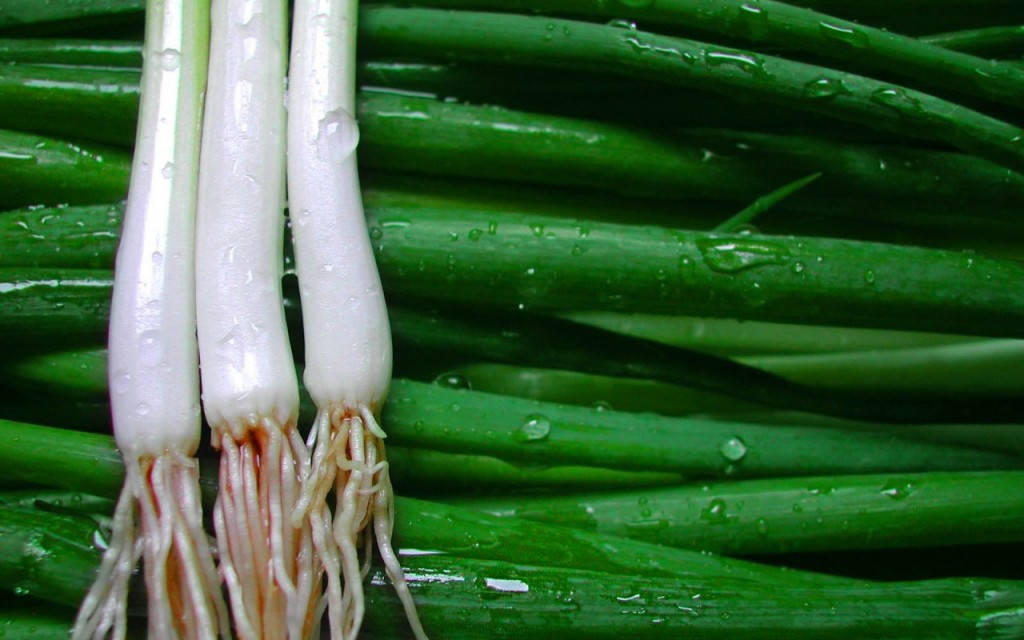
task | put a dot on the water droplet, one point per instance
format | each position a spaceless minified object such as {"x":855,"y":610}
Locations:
{"x":452,"y":380}
{"x":492,"y":227}
{"x":715,"y":512}
{"x":746,"y":62}
{"x":170,"y":59}
{"x":825,"y":88}
{"x":733,"y":449}
{"x":536,"y":427}
{"x":842,"y":33}
{"x":578,"y":250}
{"x":376,"y":233}
{"x":897,"y":490}
{"x":168,"y":171}
{"x":798,"y":267}
{"x":337,"y":136}
{"x":733,"y":255}
{"x":622,"y":24}
{"x":897,"y":99}
{"x":120,"y":382}
{"x":142,"y":409}
{"x":762,"y":526}
{"x":537,"y":230}
{"x":21,"y":591}
{"x":475,"y":234}
{"x":601,"y":406}
{"x":869,"y":276}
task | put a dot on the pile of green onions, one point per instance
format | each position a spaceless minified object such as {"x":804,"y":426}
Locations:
{"x":706,"y":316}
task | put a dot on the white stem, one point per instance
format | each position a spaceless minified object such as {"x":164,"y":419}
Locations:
{"x":152,"y":346}
{"x":348,"y":340}
{"x":247,"y":361}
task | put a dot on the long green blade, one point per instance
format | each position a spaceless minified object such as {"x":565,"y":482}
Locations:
{"x":786,"y":515}
{"x":852,"y":44}
{"x":538,"y":41}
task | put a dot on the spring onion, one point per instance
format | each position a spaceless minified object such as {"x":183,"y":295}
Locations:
{"x":348,"y":341}
{"x":153,"y":360}
{"x":250,"y":392}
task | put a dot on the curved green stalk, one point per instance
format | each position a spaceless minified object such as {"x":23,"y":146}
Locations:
{"x":786,"y":515}
{"x":767,"y":22}
{"x":745,"y":216}
{"x":538,"y":41}
{"x":539,"y":341}
{"x":973,"y":367}
{"x":746,"y":338}
{"x":988,"y":41}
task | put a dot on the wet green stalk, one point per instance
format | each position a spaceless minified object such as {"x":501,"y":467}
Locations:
{"x":458,"y":420}
{"x":788,"y":515}
{"x":990,"y":366}
{"x":38,"y":170}
{"x":25,"y":621}
{"x":424,"y":135}
{"x":424,"y":472}
{"x":559,"y":344}
{"x":69,"y":102}
{"x":75,"y":52}
{"x":987,"y":41}
{"x":736,"y":338}
{"x":767,"y":22}
{"x":32,"y":17}
{"x":56,"y":501}
{"x":473,"y":534}
{"x":88,"y":462}
{"x":538,"y":41}
{"x":546,"y":263}
{"x":47,"y":555}
{"x":539,"y":341}
{"x":59,"y":568}
{"x":454,"y":598}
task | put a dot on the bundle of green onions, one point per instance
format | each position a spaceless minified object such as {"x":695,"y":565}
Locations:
{"x":706,"y":319}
